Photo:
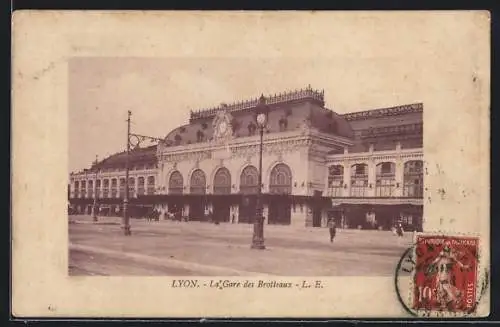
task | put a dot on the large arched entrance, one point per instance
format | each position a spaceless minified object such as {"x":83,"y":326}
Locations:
{"x":280,"y":188}
{"x":175,"y":187}
{"x":222,"y":186}
{"x":197,"y":188}
{"x":249,"y":180}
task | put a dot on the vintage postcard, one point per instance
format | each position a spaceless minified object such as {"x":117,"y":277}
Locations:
{"x":250,"y":164}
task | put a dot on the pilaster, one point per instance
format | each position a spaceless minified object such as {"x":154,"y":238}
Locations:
{"x":399,"y":172}
{"x":371,"y":177}
{"x":347,"y":179}
{"x":235,"y":211}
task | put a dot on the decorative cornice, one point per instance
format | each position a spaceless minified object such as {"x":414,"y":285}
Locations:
{"x":399,"y":130}
{"x":277,"y":148}
{"x":188,"y":156}
{"x":376,"y":156}
{"x":307,"y":93}
{"x":384,"y":112}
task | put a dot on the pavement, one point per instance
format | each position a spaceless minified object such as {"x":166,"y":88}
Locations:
{"x":168,"y":248}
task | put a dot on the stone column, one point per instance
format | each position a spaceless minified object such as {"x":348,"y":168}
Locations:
{"x":399,"y":178}
{"x":372,"y":171}
{"x":399,"y":172}
{"x":164,"y":211}
{"x":186,"y":210}
{"x":236,"y":212}
{"x":346,"y":192}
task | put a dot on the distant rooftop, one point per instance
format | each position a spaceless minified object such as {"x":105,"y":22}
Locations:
{"x":384,"y":112}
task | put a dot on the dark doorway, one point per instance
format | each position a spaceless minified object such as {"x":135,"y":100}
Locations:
{"x":175,"y":207}
{"x":248,"y":205}
{"x":280,"y":210}
{"x":196,"y":209}
{"x":316,"y":209}
{"x":221,"y":210}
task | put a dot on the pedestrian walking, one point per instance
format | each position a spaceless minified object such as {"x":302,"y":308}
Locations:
{"x":233,"y":218}
{"x":332,"y":228}
{"x":399,"y":230}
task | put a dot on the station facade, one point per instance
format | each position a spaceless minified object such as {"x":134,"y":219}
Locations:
{"x":363,"y":168}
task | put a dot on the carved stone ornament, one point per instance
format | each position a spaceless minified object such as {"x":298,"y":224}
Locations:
{"x":306,"y":125}
{"x":221,"y":123}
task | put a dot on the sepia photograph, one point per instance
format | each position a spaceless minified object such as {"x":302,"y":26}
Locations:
{"x":251,"y":164}
{"x":340,"y":191}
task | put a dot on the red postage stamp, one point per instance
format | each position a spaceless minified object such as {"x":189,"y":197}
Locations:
{"x":445,"y":277}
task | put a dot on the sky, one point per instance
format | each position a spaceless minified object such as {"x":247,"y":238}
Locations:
{"x":162,"y":69}
{"x":160,"y":92}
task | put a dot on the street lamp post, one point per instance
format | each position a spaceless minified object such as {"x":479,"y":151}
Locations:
{"x":94,"y":207}
{"x":258,"y":227}
{"x":126,"y":218}
{"x":136,"y":139}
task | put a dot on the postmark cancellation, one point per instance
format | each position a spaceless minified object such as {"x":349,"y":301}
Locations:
{"x":448,"y":277}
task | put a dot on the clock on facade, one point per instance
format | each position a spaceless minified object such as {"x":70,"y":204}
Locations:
{"x":222,"y":127}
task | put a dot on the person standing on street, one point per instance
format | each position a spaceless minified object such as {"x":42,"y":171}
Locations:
{"x":332,"y":228}
{"x":399,"y":229}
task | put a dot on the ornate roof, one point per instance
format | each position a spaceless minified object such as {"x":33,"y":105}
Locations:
{"x":145,"y":155}
{"x":281,"y":98}
{"x":287,"y":111}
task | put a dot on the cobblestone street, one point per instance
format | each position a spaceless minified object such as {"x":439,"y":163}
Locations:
{"x":168,"y":248}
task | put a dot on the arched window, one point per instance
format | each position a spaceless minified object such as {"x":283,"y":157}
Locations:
{"x":283,"y":123}
{"x":413,"y":179}
{"x":251,"y":129}
{"x":77,"y":189}
{"x":131,"y":186}
{"x":335,"y":180}
{"x":98,"y":188}
{"x":281,"y":179}
{"x":105,"y":188}
{"x":222,"y":181}
{"x":385,"y":179}
{"x":359,"y":180}
{"x":83,"y":188}
{"x":122,"y":187}
{"x":175,"y":183}
{"x":249,"y":180}
{"x":114,"y":183}
{"x":200,"y":136}
{"x":151,"y":185}
{"x":198,"y":184}
{"x":140,"y":185}
{"x":90,"y":188}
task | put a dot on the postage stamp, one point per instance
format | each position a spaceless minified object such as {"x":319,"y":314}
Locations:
{"x":445,"y":277}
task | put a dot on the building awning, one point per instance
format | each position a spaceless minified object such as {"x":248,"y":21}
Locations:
{"x":378,"y":201}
